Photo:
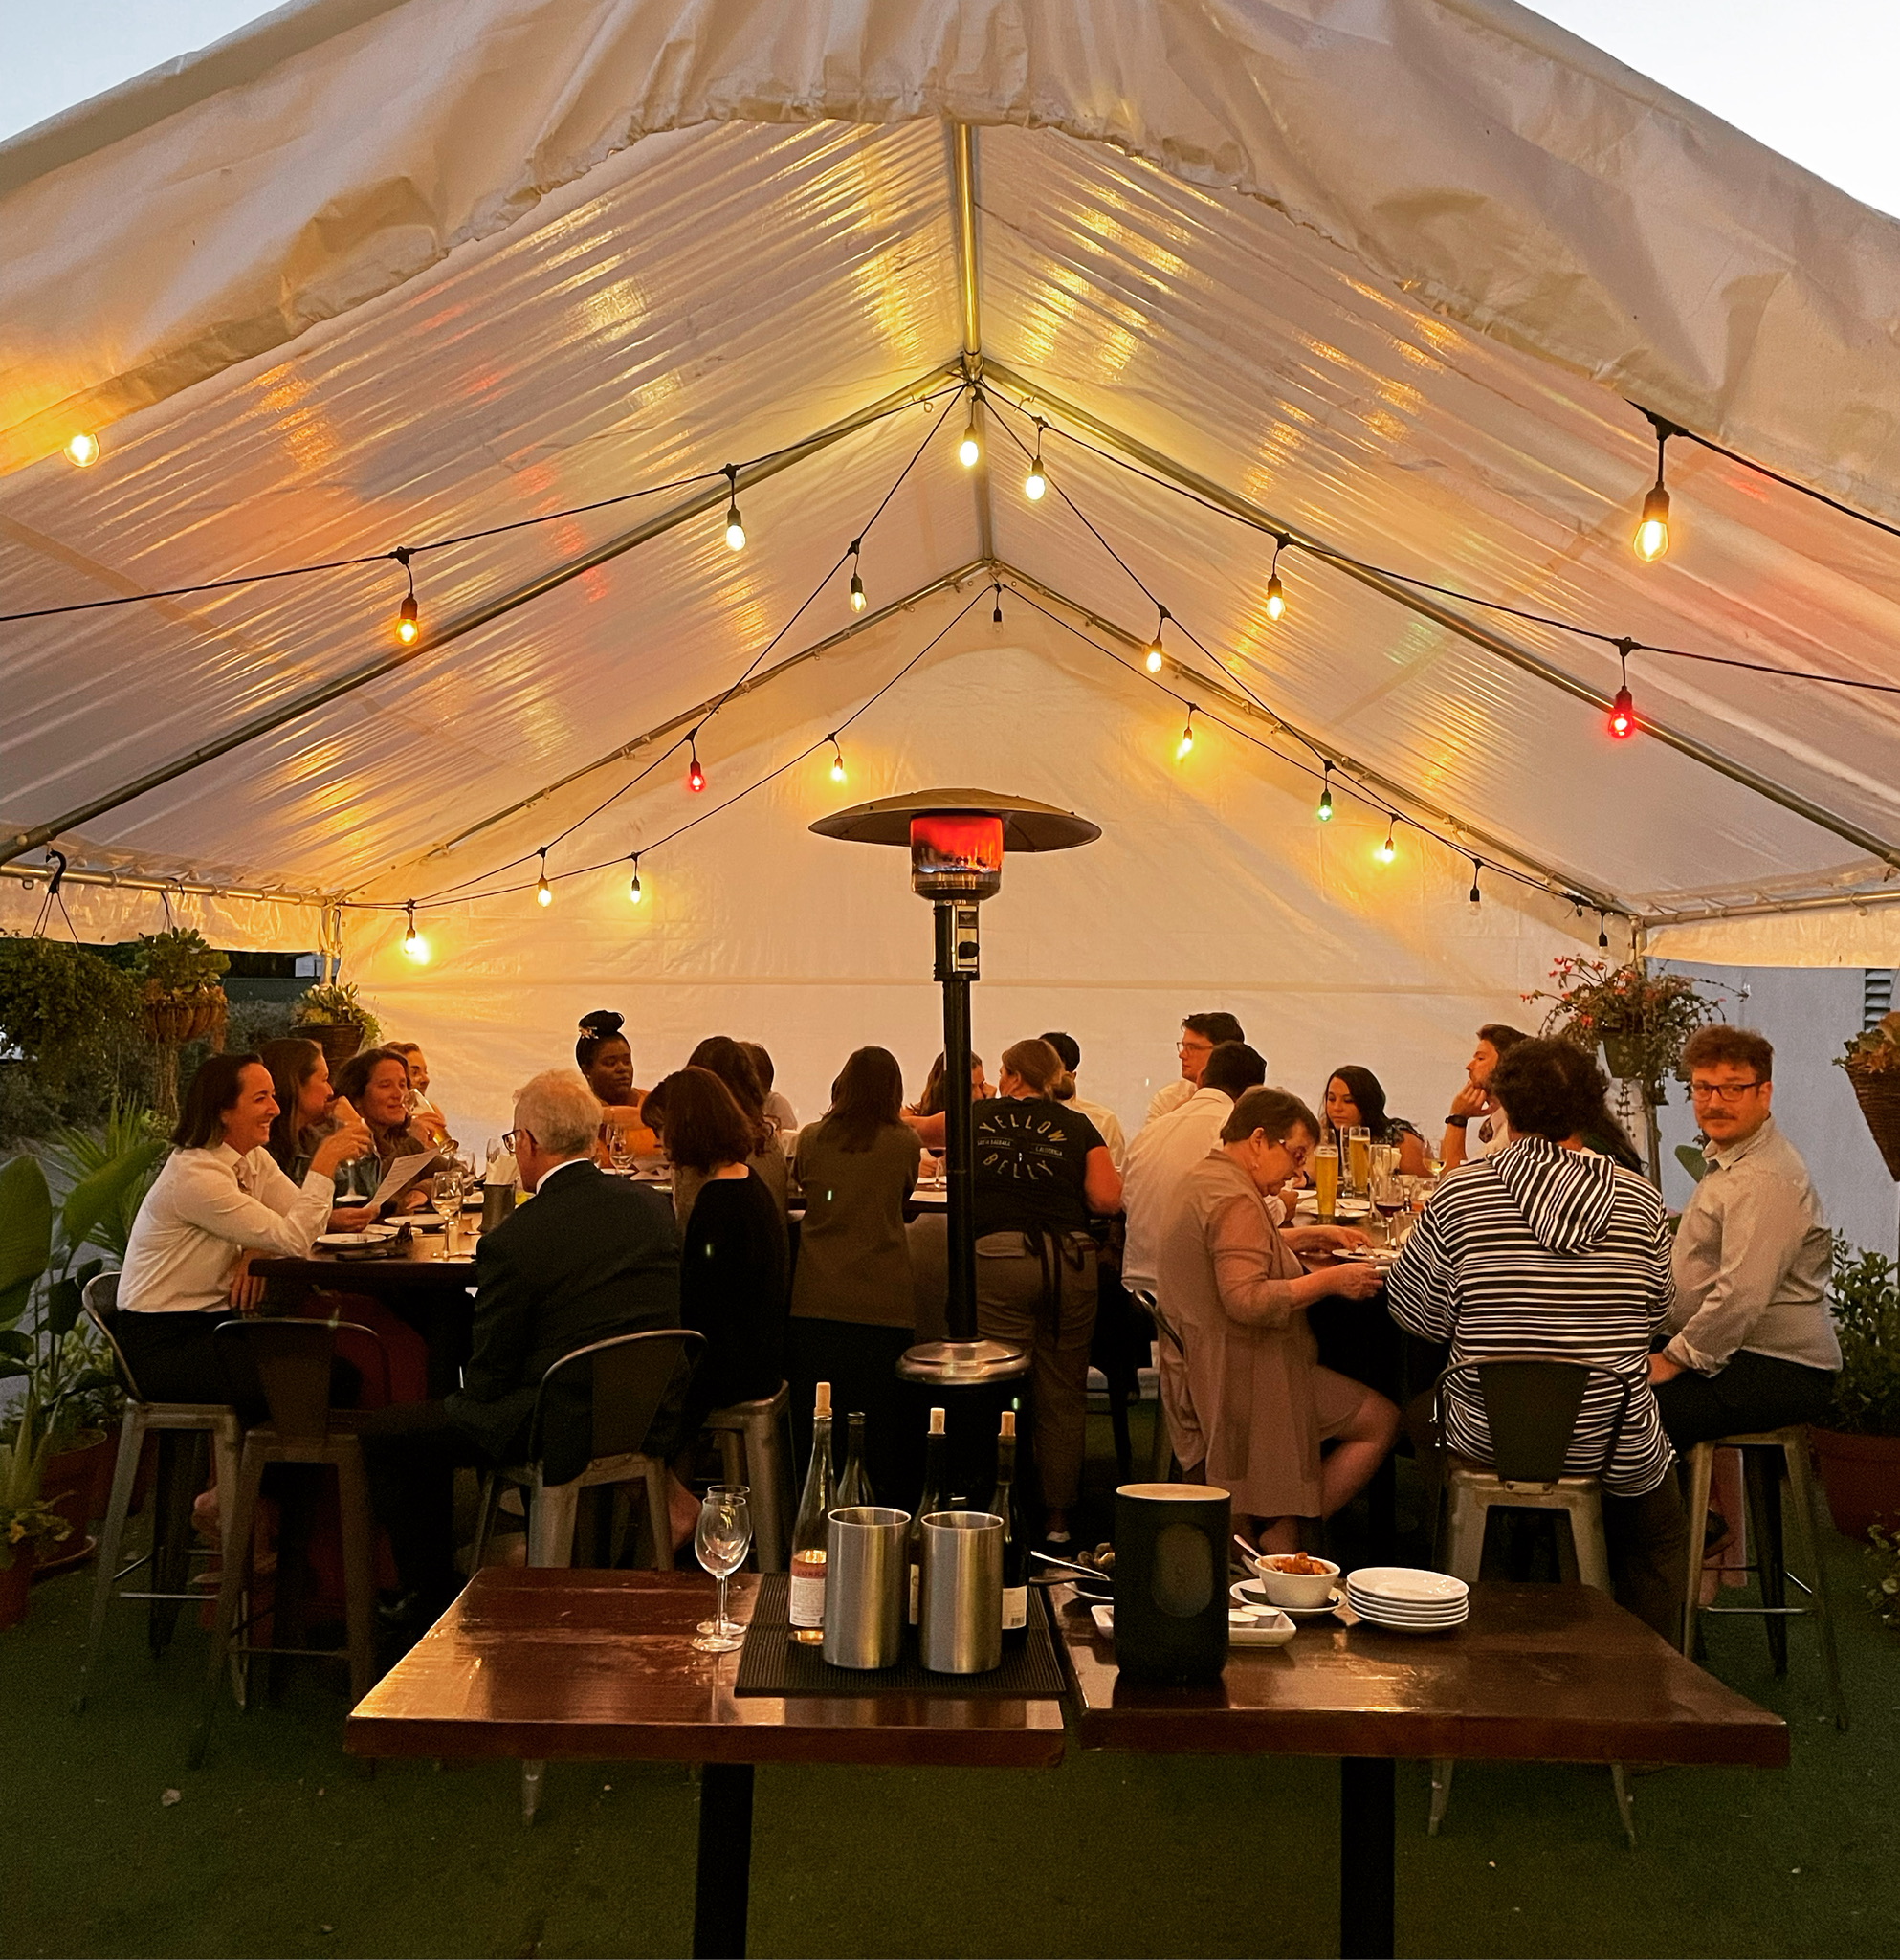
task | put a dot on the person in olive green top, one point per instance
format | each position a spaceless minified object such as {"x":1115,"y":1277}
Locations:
{"x":852,"y":1308}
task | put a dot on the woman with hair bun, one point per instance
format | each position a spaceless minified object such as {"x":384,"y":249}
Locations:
{"x":605,"y":1056}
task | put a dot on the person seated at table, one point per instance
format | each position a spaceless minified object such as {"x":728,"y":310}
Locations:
{"x":1040,"y":1171}
{"x":733,"y":1259}
{"x":591,"y":1257}
{"x":605,"y":1056}
{"x":1200,"y":1035}
{"x":306,"y":1102}
{"x":728,"y":1060}
{"x":1355,"y":1099}
{"x":1108,"y":1124}
{"x":927,"y":1114}
{"x":1546,"y":1249}
{"x":853,"y":1307}
{"x":375,"y":1083}
{"x":219,"y":1196}
{"x":425,"y":1115}
{"x":1475,"y":1126}
{"x":778,"y":1108}
{"x":1237,"y":1295}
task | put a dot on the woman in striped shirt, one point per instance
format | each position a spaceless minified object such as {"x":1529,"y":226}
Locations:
{"x":1545,"y":1250}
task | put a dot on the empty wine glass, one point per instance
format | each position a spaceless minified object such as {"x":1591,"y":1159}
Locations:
{"x":446,"y":1197}
{"x":720,"y":1540}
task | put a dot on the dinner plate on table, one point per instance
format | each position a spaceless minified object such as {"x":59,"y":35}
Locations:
{"x":425,"y":1221}
{"x":350,"y":1242}
{"x":1249,"y":1594}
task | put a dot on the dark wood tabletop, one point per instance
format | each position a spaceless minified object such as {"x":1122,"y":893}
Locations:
{"x":567,"y":1664}
{"x":421,"y":1264}
{"x":1538,"y":1673}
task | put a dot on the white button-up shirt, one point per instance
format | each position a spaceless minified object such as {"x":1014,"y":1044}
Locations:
{"x":1165,"y":1150}
{"x":206,"y":1209}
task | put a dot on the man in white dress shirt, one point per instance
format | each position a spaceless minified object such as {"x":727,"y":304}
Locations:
{"x":1476,"y":1127}
{"x":1200,"y":1034}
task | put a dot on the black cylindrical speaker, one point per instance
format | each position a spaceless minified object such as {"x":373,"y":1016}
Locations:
{"x":1171,"y":1583}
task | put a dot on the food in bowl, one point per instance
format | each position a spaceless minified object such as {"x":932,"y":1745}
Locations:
{"x":1295,"y":1578}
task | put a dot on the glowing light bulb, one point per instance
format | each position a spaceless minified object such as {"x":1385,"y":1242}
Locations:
{"x":1035,"y":482}
{"x":695,"y":777}
{"x":543,"y":891}
{"x":1387,"y":850}
{"x":1154,"y":657}
{"x":857,"y":593}
{"x":1324,"y":812}
{"x":838,"y":769}
{"x":414,"y":945}
{"x":969,"y":452}
{"x":1622,"y":716}
{"x":1186,"y":742}
{"x":1276,"y":598}
{"x":634,"y":896}
{"x":83,"y":451}
{"x":734,"y":530}
{"x":1653,"y":531}
{"x":407,"y":626}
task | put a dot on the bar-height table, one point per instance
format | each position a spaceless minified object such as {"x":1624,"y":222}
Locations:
{"x":563,"y":1665}
{"x":1538,"y":1674}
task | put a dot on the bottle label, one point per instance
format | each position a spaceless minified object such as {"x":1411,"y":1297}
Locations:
{"x":1015,"y":1608}
{"x":807,"y":1600}
{"x":916,"y":1591}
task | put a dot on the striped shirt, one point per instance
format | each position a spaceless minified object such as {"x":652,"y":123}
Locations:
{"x":1540,"y":1251}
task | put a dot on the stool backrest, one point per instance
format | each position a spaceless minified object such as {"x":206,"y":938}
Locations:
{"x":1162,"y":1323}
{"x":290,"y":1363}
{"x":620,"y":1383}
{"x":100,"y":1300}
{"x":1531,"y":1407}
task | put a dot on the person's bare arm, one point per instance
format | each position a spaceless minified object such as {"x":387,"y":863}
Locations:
{"x":1101,"y":1181}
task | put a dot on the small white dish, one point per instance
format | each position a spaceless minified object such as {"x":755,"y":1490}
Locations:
{"x":349,"y":1242}
{"x":1285,"y":1589}
{"x":1245,"y":1592}
{"x":427,"y":1221}
{"x":1408,"y":1585}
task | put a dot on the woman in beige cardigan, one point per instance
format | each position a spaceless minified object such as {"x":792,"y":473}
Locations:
{"x":1237,"y":1292}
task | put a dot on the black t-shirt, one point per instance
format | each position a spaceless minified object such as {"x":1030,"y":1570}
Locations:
{"x":1030,"y":1158}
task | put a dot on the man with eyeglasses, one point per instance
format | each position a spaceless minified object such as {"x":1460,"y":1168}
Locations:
{"x":1200,"y":1034}
{"x":1752,"y":1346}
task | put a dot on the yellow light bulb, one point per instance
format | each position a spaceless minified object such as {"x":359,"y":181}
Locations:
{"x":544,"y":891}
{"x":416,"y":946}
{"x":634,"y":896}
{"x":1186,"y":743}
{"x":1652,"y":532}
{"x":837,"y":772}
{"x":83,"y":451}
{"x":1276,"y":597}
{"x":1155,"y":656}
{"x":407,"y":626}
{"x":857,"y":593}
{"x":969,"y":452}
{"x":1387,"y":850}
{"x":734,"y":530}
{"x":1035,"y":483}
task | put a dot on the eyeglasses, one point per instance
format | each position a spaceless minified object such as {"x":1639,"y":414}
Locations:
{"x":1193,"y":1045}
{"x":509,"y":1141}
{"x":1723,"y":1091}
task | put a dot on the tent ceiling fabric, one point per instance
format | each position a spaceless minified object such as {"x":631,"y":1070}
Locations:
{"x":369,"y":274}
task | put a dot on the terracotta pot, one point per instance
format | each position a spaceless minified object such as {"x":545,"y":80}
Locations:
{"x":1861,"y":1475}
{"x":70,"y":1487}
{"x":1879,"y":1098}
{"x":16,"y":1586}
{"x":339,"y":1040}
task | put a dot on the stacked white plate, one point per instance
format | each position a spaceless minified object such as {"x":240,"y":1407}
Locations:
{"x":1407,"y":1599}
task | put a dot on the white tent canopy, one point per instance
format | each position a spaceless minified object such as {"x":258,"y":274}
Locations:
{"x":1387,"y":277}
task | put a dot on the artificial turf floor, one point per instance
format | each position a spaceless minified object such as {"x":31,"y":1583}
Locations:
{"x":280,"y":1846}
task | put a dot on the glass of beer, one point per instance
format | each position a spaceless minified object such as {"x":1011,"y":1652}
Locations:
{"x":1326,"y":1178}
{"x":1358,"y":1160}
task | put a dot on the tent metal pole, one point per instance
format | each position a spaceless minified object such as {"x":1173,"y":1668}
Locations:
{"x":176,"y":888}
{"x":697,"y":505}
{"x":969,"y":277}
{"x":1439,"y":613}
{"x":691,"y":717}
{"x":1771,"y":908}
{"x":1561,"y":883}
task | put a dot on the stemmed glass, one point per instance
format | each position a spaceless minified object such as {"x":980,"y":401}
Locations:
{"x":721,"y":1539}
{"x":446,"y":1197}
{"x":1388,"y":1199}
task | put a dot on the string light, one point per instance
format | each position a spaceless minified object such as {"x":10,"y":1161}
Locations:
{"x":1186,"y":742}
{"x":414,"y":943}
{"x":734,"y":529}
{"x":82,"y":450}
{"x":995,"y":616}
{"x":409,"y":627}
{"x":543,"y":891}
{"x":634,"y":891}
{"x":1276,"y":593}
{"x":837,"y":761}
{"x":1387,"y":850}
{"x":695,"y":777}
{"x":1653,"y":529}
{"x":857,"y":584}
{"x":969,"y":452}
{"x":1603,"y":929}
{"x":1324,"y":813}
{"x":1156,"y":653}
{"x":1623,"y":710}
{"x":1478,"y":896}
{"x":1036,"y":482}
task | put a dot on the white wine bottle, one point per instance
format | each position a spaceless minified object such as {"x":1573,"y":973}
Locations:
{"x":935,"y":1446}
{"x":811,"y":1530}
{"x":855,"y":1485}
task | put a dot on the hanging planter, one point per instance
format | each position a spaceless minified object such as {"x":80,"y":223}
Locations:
{"x":1872,"y":1061}
{"x":337,"y":1021}
{"x":1639,"y":1019}
{"x":1622,"y":1056}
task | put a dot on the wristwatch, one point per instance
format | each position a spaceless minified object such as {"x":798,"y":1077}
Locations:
{"x":1456,"y":1122}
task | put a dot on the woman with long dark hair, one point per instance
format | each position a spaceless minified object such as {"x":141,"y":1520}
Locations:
{"x":853,"y":1310}
{"x":375,"y":1083}
{"x":1355,"y":1098}
{"x":727,"y":1059}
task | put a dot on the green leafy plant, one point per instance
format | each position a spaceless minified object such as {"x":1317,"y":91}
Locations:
{"x":75,"y":1154}
{"x":1867,"y":1319}
{"x":328,"y":1006}
{"x":177,"y":965}
{"x":1874,"y":1052}
{"x":60,"y":1005}
{"x":25,"y":1519}
{"x":1882,"y":1556}
{"x":1642,"y":1019}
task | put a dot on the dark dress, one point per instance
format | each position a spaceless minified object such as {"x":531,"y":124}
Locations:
{"x":734,"y":1275}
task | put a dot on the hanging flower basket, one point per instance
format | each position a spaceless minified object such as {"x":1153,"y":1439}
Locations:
{"x":1872,"y":1061}
{"x":339,"y":1040}
{"x":174,"y":1018}
{"x":1622,"y":1056}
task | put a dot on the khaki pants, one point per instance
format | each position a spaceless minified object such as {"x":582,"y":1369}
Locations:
{"x":1039,"y":1292}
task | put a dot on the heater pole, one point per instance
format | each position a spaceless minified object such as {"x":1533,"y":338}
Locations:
{"x":956,"y":969}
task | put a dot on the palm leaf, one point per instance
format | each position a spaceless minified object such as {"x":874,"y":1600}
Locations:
{"x":95,"y":1202}
{"x":25,"y":1229}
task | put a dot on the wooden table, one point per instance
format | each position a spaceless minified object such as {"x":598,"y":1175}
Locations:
{"x":569,"y":1665}
{"x":1538,"y":1674}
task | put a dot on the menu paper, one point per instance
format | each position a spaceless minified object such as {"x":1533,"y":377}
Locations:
{"x":401,"y":1174}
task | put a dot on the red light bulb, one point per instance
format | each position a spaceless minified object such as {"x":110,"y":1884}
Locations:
{"x":695,"y":777}
{"x":1622,"y":716}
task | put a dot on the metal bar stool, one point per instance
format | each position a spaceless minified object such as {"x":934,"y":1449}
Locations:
{"x":1769,"y":1563}
{"x":291,"y":1360}
{"x":144,"y":1418}
{"x":1161,"y":1470}
{"x":1531,"y":1407}
{"x":616,"y":1386}
{"x":755,"y":1449}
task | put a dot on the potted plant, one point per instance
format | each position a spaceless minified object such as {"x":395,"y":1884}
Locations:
{"x":180,"y":995}
{"x":1639,"y":1019}
{"x":27,"y":1523}
{"x":1860,"y":1453}
{"x":1872,"y":1061}
{"x":336,"y":1018}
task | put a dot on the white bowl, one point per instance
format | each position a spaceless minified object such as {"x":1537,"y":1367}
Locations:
{"x":1296,"y":1588}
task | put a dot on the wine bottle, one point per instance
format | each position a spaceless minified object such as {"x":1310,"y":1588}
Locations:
{"x":1015,"y":1549}
{"x":935,"y":1446}
{"x":855,"y":1485}
{"x":812,"y":1530}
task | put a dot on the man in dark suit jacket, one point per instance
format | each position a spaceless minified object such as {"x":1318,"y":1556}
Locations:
{"x":592,"y":1256}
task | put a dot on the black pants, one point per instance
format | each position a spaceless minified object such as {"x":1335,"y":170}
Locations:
{"x":411,"y":1451}
{"x":173,"y":1356}
{"x":1753,"y":1393}
{"x":1648,"y":1541}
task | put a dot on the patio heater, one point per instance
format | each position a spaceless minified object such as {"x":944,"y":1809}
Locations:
{"x":956,"y":838}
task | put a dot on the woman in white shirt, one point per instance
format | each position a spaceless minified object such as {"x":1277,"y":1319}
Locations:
{"x":219,"y":1196}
